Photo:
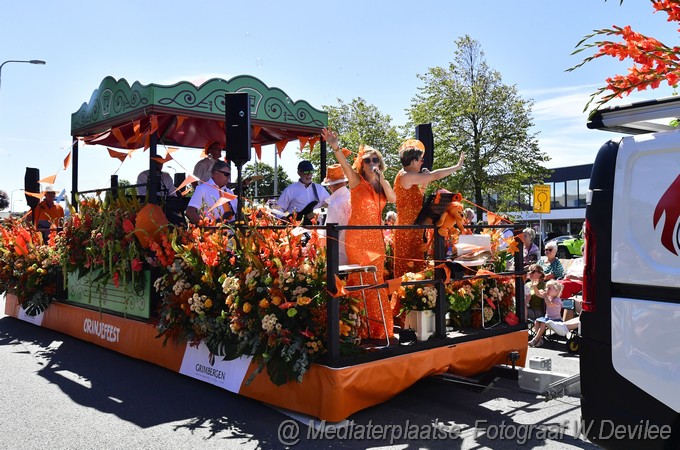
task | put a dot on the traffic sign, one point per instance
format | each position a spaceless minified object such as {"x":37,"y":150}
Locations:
{"x":542,"y":198}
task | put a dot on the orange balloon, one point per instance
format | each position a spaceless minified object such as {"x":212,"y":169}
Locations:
{"x":148,"y":224}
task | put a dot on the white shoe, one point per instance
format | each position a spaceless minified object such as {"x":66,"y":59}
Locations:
{"x":558,"y":327}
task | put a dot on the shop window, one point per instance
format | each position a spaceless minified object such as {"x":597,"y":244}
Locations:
{"x":582,"y":191}
{"x":572,"y":193}
{"x":559,"y":196}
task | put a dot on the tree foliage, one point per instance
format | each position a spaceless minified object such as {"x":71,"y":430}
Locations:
{"x":4,"y":200}
{"x":471,"y":110}
{"x":359,"y":122}
{"x":265,"y":187}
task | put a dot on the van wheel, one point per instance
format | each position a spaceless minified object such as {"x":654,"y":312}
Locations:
{"x":563,"y":253}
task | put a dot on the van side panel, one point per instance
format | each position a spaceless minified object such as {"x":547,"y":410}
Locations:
{"x":607,"y":398}
{"x":647,"y":350}
{"x":646,"y":209}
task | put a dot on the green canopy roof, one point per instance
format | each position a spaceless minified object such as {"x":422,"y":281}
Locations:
{"x":186,"y":115}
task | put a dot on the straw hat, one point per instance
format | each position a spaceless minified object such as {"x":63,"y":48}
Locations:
{"x":334,"y":175}
{"x":412,"y":143}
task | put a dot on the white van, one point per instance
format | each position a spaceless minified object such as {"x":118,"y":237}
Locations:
{"x":630,"y":346}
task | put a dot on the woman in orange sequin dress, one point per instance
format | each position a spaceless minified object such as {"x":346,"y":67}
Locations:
{"x":409,"y":187}
{"x":369,"y":193}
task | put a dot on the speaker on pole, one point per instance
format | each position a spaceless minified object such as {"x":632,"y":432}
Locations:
{"x":424,"y":135}
{"x":31,"y":184}
{"x":237,"y":127}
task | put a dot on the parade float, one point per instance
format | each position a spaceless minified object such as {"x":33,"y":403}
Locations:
{"x":259,"y":308}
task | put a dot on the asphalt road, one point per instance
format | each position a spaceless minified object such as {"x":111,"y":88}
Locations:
{"x":62,"y":393}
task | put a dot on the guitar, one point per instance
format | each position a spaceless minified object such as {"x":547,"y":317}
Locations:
{"x":307,"y":213}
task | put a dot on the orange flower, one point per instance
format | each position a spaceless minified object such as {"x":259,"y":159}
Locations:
{"x":302,"y":301}
{"x":246,"y":307}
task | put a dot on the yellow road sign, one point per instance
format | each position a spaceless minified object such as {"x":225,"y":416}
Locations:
{"x":542,"y":198}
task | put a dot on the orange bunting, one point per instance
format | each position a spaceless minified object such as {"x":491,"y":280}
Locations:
{"x":38,"y":195}
{"x":312,"y":143}
{"x":256,"y":131}
{"x":49,"y":180}
{"x":119,"y":155}
{"x":393,"y":285}
{"x":67,"y":160}
{"x":339,"y":288}
{"x":180,"y":120}
{"x":483,"y":272}
{"x":280,"y":146}
{"x":446,"y":270}
{"x":172,"y":150}
{"x":119,"y":137}
{"x":220,"y":201}
{"x":258,"y":150}
{"x":369,"y":257}
{"x":162,"y":161}
{"x":303,"y":141}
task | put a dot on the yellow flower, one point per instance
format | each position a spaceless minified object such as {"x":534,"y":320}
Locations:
{"x":207,"y":304}
{"x":302,"y":301}
{"x":344,"y":329}
{"x":264,"y":303}
{"x":419,"y":291}
{"x":246,"y":307}
{"x":276,"y":301}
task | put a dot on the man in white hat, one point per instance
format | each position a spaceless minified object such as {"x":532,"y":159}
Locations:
{"x":48,"y":213}
{"x":339,"y":206}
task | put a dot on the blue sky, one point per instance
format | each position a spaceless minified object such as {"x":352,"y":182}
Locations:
{"x":316,"y":51}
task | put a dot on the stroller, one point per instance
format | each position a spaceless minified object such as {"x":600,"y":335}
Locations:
{"x":571,"y":329}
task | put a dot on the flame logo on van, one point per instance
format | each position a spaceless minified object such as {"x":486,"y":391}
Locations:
{"x":669,"y":203}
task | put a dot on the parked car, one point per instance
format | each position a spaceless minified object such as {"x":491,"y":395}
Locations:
{"x":568,"y":246}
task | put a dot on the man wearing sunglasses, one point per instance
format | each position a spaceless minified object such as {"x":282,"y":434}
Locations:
{"x":303,"y":196}
{"x":208,"y":193}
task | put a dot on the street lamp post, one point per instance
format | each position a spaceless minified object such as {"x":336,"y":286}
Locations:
{"x":30,"y":61}
{"x":11,"y":201}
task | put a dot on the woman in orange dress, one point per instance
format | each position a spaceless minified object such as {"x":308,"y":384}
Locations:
{"x":369,"y":193}
{"x":409,"y":187}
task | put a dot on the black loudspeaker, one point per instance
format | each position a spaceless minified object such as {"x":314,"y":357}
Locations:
{"x":31,"y":184}
{"x":424,"y":135}
{"x":179,"y":178}
{"x":237,"y":126}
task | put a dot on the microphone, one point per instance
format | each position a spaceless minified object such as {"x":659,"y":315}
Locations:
{"x":376,"y":170}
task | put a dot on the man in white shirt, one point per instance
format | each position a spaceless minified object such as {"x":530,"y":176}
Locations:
{"x":167,"y":185}
{"x":339,"y":206}
{"x":303,"y":194}
{"x":208,"y":193}
{"x":203,"y":168}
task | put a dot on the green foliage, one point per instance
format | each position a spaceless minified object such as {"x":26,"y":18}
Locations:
{"x":471,"y":110}
{"x":265,"y":187}
{"x":4,"y":200}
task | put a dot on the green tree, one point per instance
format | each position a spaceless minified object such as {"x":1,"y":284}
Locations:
{"x":471,"y":110}
{"x":4,"y":200}
{"x":265,"y":187}
{"x":359,"y":122}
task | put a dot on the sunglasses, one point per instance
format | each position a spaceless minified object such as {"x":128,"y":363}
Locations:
{"x":226,"y":174}
{"x":369,"y":160}
{"x":549,"y":250}
{"x":307,"y":172}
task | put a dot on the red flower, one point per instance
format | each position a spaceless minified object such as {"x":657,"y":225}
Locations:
{"x":136,"y":265}
{"x":128,"y":226}
{"x":115,"y":279}
{"x":511,"y":318}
